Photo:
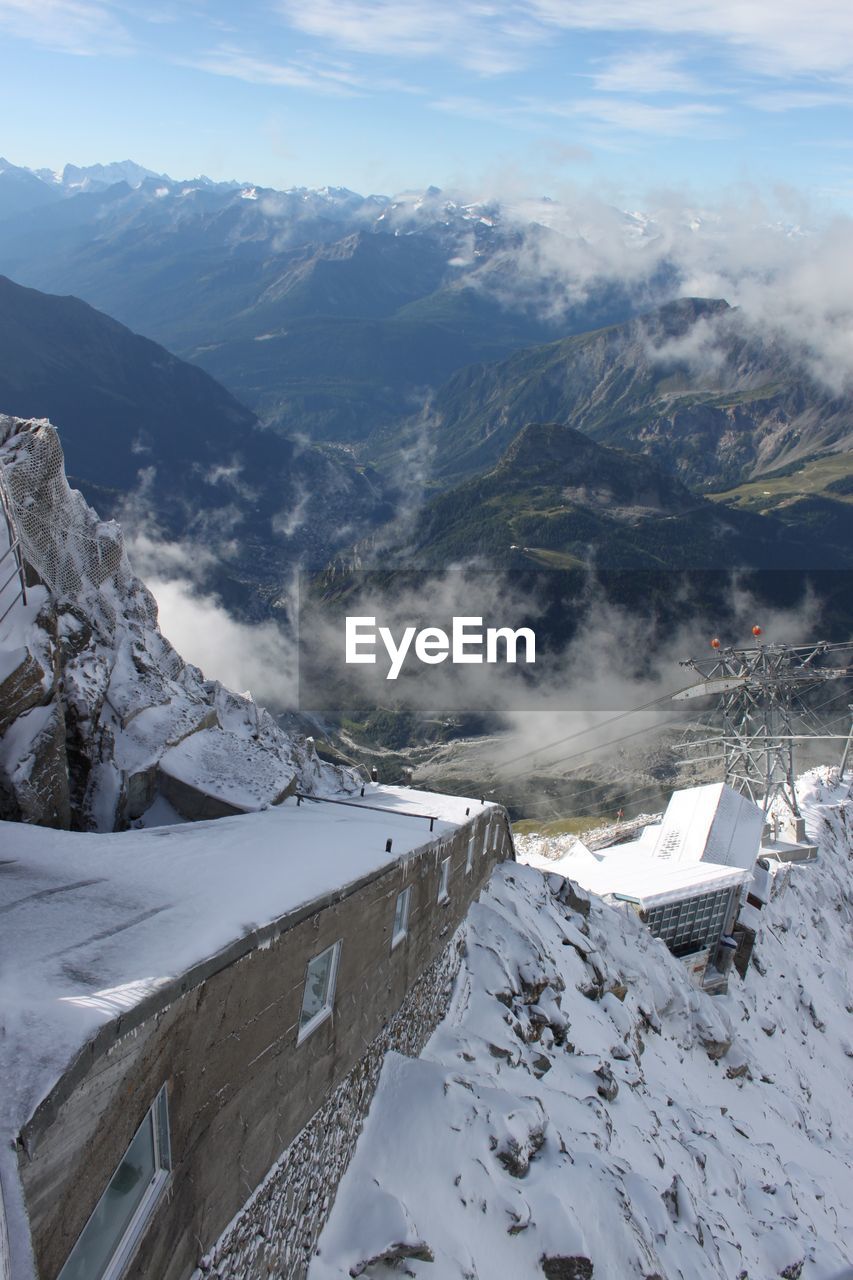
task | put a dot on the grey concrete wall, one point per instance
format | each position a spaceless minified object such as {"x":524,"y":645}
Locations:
{"x":276,"y":1232}
{"x":241,"y":1090}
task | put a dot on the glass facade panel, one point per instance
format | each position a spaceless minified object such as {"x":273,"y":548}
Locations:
{"x":106,"y":1239}
{"x":319,"y":987}
{"x":692,"y":923}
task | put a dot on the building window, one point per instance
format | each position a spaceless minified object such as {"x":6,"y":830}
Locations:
{"x":109,"y":1239}
{"x":692,"y":923}
{"x":401,"y":917}
{"x":469,"y":861}
{"x":443,"y":893}
{"x":319,"y":994}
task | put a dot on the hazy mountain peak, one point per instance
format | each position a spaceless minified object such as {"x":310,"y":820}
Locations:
{"x":93,"y":176}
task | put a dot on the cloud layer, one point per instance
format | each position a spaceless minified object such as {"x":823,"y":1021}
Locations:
{"x":785,"y":265}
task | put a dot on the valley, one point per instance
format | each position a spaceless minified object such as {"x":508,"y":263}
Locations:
{"x":426,"y":640}
{"x":374,"y":383}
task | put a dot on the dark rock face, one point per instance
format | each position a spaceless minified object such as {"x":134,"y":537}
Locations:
{"x":515,"y":1155}
{"x":22,"y":689}
{"x":608,"y":1087}
{"x":560,"y":1268}
{"x":575,"y":897}
{"x":419,"y":1251}
{"x":34,"y":769}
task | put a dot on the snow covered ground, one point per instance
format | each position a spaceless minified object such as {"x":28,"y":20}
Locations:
{"x":92,"y":926}
{"x":583,"y":1111}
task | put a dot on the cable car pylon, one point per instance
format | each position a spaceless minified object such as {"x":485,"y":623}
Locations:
{"x":760,"y":690}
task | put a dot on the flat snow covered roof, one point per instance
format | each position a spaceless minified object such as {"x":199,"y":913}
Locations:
{"x":708,"y":839}
{"x":628,"y":872}
{"x":93,"y":925}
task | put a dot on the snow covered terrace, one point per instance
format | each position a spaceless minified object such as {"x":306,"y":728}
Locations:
{"x":709,"y":839}
{"x":94,"y":926}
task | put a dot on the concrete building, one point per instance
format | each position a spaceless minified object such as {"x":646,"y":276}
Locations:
{"x":197,"y":1016}
{"x":685,"y":876}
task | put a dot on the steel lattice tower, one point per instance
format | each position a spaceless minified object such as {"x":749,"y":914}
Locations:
{"x":760,"y":691}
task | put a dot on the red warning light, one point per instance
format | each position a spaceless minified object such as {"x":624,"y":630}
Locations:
{"x":715,"y":644}
{"x":756,"y":631}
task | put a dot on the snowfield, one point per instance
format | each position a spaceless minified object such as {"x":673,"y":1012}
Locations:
{"x":584,"y":1112}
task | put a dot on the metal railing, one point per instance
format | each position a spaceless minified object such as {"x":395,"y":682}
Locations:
{"x":11,"y":556}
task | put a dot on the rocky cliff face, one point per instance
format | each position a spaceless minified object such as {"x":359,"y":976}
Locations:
{"x":100,"y":718}
{"x":689,"y":385}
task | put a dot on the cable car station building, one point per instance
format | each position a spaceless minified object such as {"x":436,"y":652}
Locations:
{"x":685,"y":876}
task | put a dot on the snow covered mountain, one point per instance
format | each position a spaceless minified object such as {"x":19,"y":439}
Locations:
{"x":298,"y":300}
{"x":584,"y":1113}
{"x":101,"y":721}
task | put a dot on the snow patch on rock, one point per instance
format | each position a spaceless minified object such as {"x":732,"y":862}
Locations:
{"x":98,"y":696}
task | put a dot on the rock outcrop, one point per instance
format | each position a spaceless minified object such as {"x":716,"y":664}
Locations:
{"x":97,"y":710}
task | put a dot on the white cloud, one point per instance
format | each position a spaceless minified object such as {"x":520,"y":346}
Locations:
{"x":792,"y":286}
{"x":69,"y":26}
{"x":256,"y":657}
{"x":236,"y":64}
{"x":648,"y":71}
{"x":625,"y":115}
{"x":230,"y":477}
{"x":778,"y":100}
{"x":603,"y":117}
{"x":770,"y":37}
{"x":488,"y":38}
{"x":775,"y":37}
{"x":517,"y":115}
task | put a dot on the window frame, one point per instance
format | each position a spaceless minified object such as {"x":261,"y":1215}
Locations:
{"x":307,"y":1028}
{"x":400,"y":935}
{"x":157,"y":1116}
{"x":444,"y":881}
{"x":472,"y":844}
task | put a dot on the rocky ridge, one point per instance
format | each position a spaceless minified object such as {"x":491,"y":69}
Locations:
{"x":100,"y":718}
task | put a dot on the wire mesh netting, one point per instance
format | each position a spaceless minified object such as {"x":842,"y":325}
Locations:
{"x":62,"y":540}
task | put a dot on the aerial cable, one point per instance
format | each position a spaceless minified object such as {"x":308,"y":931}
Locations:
{"x":580,"y":733}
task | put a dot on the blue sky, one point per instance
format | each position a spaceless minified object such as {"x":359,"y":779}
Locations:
{"x":631,"y":96}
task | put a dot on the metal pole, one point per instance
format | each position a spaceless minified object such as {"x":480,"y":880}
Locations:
{"x":846,"y":752}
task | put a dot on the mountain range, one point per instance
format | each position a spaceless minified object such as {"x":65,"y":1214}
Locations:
{"x":322,"y":309}
{"x":558,"y":499}
{"x":344,"y":361}
{"x":687,"y":384}
{"x":136,"y":421}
